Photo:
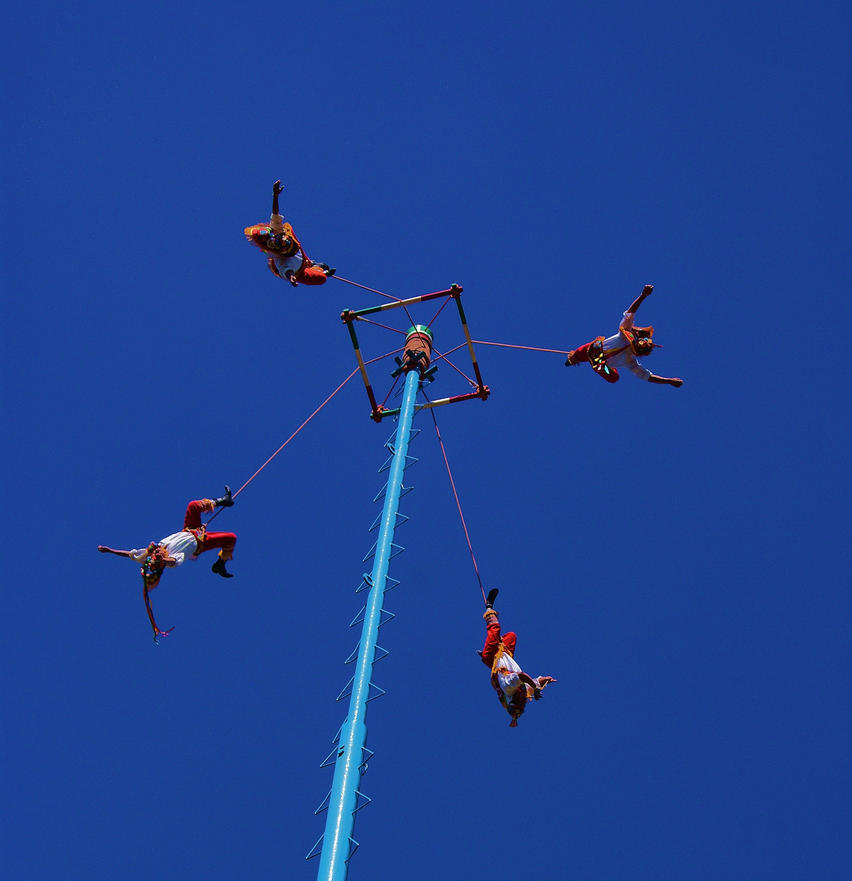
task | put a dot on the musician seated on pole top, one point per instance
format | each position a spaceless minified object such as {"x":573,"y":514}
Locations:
{"x":514,"y":687}
{"x":621,"y":350}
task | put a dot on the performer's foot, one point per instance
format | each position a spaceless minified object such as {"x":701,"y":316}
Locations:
{"x":226,"y":501}
{"x":219,"y":568}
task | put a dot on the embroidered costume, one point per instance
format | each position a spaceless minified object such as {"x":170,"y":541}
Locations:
{"x":286,"y":257}
{"x":513,"y":686}
{"x":171,"y":551}
{"x":607,"y":355}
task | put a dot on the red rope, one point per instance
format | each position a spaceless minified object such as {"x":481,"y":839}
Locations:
{"x":475,"y":385}
{"x":365,"y":288}
{"x":386,"y":355}
{"x":458,"y":504}
{"x":529,"y":348}
{"x":374,"y":291}
{"x":447,"y":300}
{"x":371,"y":361}
{"x":216,"y":513}
{"x":379,"y":324}
{"x":450,"y":352}
{"x":390,"y":391}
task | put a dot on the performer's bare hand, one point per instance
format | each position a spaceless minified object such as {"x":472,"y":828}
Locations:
{"x":646,"y":292}
{"x":277,"y":189}
{"x":676,"y":381}
{"x":103,"y":549}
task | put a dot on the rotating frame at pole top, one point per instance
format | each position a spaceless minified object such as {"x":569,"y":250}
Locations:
{"x":419,"y":337}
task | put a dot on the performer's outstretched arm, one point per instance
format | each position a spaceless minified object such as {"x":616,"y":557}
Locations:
{"x":169,"y":560}
{"x":646,"y":292}
{"x":539,"y":683}
{"x":676,"y":381}
{"x":527,"y":679}
{"x":105,"y":550}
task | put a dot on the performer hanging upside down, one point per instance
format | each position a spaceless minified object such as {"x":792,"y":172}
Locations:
{"x":171,"y":551}
{"x":513,"y":686}
{"x":286,"y":256}
{"x":621,"y":350}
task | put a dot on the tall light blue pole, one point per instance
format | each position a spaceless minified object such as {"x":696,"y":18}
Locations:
{"x":350,"y":759}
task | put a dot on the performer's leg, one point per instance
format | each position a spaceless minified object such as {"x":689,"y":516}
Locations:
{"x":225,"y":541}
{"x":194,"y":510}
{"x":510,"y":640}
{"x":610,"y":374}
{"x":578,"y":356}
{"x":492,"y":637}
{"x":311,"y":275}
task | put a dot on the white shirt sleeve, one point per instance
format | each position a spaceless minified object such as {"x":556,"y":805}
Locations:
{"x":627,"y":321}
{"x":276,"y":221}
{"x":293,"y":263}
{"x":637,"y":369}
{"x":139,"y":555}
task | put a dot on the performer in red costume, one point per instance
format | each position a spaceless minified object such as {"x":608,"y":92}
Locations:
{"x":286,"y":257}
{"x":513,"y":686}
{"x":171,"y":551}
{"x":622,"y":349}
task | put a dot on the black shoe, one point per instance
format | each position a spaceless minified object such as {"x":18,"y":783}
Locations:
{"x":219,"y":568}
{"x":492,"y":595}
{"x":226,"y":501}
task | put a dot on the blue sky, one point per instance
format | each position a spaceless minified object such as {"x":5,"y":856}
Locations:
{"x":678,"y":559}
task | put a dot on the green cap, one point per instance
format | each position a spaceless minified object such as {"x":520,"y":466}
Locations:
{"x":421,"y":328}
